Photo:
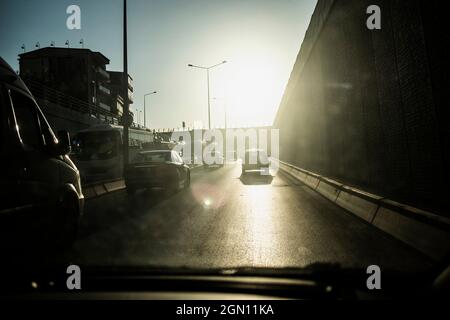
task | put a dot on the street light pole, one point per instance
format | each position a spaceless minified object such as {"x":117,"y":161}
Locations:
{"x":224,"y":110}
{"x":225,"y":113}
{"x":207,"y":80}
{"x":126,"y":107}
{"x":209,"y":100}
{"x":145,"y":95}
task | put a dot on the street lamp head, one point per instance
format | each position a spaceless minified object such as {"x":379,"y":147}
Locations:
{"x":190,"y":65}
{"x":147,"y":94}
{"x":224,"y":61}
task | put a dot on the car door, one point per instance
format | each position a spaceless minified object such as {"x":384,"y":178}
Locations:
{"x":10,"y":202}
{"x":38,"y":181}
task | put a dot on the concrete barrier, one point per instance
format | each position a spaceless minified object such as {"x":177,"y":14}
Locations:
{"x":301,"y":176}
{"x":328,"y":189}
{"x":103,"y":187}
{"x":356,"y":203}
{"x":312,"y":181}
{"x":195,"y":167}
{"x":424,"y":231}
{"x":114,"y":185}
{"x":89,"y":192}
{"x":100,"y":189}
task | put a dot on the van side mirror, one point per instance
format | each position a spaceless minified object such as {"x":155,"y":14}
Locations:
{"x":64,"y":145}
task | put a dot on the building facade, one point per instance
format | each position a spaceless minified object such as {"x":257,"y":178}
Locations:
{"x":117,"y":95}
{"x":79,"y":73}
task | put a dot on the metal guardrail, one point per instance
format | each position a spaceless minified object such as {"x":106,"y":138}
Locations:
{"x":45,"y":93}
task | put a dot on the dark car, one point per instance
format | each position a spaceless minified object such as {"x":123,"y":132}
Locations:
{"x":255,"y":161}
{"x":157,"y":169}
{"x":41,"y":196}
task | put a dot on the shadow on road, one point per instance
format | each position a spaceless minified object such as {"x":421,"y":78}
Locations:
{"x":119,"y":207}
{"x":255,"y":179}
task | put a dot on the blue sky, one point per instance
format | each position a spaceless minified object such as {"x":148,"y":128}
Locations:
{"x":259,"y":38}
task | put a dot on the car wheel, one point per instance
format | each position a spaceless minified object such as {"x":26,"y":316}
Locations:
{"x":66,"y":224}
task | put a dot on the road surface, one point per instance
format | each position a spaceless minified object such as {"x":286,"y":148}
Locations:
{"x":223,"y":220}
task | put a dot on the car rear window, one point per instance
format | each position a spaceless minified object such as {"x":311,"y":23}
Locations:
{"x":252,"y":156}
{"x":153,"y":157}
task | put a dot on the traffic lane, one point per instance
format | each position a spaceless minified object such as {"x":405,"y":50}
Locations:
{"x":103,"y":212}
{"x":226,"y":221}
{"x":110,"y":222}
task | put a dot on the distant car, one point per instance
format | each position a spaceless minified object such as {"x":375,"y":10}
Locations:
{"x":256,"y":161}
{"x":216,"y":160}
{"x":157,"y":168}
{"x":41,"y":194}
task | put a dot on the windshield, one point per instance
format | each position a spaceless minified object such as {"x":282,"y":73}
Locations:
{"x":298,"y":132}
{"x":95,"y":145}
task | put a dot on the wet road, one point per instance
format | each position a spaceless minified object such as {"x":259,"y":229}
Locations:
{"x":225,"y":221}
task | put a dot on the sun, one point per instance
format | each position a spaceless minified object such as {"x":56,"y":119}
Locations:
{"x":254,"y":91}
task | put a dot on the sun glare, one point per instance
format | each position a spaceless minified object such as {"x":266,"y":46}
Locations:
{"x":254,"y":91}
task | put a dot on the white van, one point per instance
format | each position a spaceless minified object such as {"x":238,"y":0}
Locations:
{"x":41,"y":200}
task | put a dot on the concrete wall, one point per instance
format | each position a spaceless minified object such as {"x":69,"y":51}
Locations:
{"x":370,"y":108}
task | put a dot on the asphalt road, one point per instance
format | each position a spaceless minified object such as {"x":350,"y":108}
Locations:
{"x":223,"y":220}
